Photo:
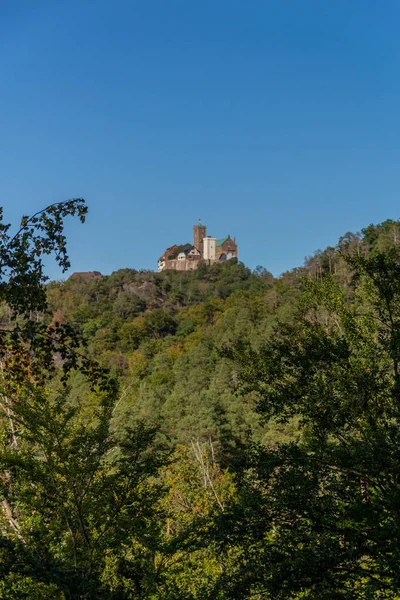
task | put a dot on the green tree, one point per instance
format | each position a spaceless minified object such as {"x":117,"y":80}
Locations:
{"x":128,"y":305}
{"x":79,"y":510}
{"x":318,"y":518}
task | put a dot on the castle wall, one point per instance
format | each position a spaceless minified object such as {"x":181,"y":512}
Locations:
{"x":186,"y":264}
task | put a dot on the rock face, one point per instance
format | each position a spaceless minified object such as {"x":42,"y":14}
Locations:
{"x":86,"y":275}
{"x":143,"y":290}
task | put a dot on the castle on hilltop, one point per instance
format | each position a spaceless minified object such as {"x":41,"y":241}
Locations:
{"x":205,"y":249}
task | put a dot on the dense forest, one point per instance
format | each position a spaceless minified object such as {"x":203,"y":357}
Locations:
{"x":213,"y":434}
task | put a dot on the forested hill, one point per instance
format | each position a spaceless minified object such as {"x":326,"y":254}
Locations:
{"x":162,"y":335}
{"x":217,"y":434}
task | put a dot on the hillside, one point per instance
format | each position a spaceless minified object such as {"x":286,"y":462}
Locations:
{"x":218,"y":433}
{"x":162,"y":334}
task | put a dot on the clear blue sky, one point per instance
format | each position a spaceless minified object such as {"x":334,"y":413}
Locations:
{"x":275,"y":121}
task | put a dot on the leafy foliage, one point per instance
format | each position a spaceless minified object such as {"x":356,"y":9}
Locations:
{"x":212,"y":434}
{"x":318,"y":517}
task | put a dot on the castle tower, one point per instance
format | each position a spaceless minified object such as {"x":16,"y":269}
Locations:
{"x":199,"y":232}
{"x":209,"y":248}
